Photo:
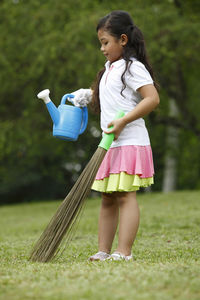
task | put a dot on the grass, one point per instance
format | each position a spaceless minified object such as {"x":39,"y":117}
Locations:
{"x":166,"y":254}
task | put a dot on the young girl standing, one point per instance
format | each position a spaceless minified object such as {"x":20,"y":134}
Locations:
{"x":126,"y":83}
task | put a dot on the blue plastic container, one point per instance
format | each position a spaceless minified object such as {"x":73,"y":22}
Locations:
{"x":68,"y":121}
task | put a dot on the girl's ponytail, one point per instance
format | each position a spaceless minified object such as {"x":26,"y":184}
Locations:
{"x":137,"y":44}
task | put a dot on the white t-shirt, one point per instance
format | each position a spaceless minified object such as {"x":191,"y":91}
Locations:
{"x":111,"y":100}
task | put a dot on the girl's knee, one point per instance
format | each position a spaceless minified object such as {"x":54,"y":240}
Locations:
{"x":109,"y":199}
{"x":125,"y":197}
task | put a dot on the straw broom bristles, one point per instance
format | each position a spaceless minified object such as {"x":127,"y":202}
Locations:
{"x":67,"y":213}
{"x":52,"y":236}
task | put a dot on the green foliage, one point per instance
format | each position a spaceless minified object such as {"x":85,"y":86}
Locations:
{"x":166,"y":254}
{"x":48,"y":44}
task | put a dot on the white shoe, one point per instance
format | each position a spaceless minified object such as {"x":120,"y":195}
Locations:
{"x":99,"y":256}
{"x":120,"y":256}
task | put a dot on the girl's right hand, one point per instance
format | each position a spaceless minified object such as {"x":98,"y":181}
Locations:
{"x":82,"y":97}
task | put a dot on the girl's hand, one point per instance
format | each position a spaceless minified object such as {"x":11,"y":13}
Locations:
{"x":82,"y":97}
{"x":118,"y":126}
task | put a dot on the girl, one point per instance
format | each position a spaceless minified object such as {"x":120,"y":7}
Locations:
{"x":126,"y":83}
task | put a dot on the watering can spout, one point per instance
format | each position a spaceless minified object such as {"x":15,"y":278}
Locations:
{"x":53,"y":111}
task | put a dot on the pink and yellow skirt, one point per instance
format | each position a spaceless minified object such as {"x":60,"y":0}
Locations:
{"x":125,"y":169}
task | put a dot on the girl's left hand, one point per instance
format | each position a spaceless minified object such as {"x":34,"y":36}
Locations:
{"x":118,"y":126}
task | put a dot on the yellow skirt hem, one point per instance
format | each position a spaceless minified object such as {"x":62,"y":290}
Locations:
{"x":122,"y":182}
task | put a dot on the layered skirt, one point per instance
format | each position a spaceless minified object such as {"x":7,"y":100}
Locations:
{"x":125,"y":169}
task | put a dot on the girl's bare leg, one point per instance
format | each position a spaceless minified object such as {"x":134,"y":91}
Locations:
{"x":129,"y":221}
{"x":108,"y":221}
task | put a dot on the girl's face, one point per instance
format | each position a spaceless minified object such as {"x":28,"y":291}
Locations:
{"x":111,"y":47}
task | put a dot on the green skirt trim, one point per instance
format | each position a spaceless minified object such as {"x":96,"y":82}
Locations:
{"x":122,"y":182}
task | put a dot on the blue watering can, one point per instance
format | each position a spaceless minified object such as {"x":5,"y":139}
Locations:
{"x":68,"y":121}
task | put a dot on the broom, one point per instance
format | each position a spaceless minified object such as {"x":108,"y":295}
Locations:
{"x":67,"y":213}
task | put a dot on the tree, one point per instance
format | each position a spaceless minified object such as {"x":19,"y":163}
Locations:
{"x":54,"y":45}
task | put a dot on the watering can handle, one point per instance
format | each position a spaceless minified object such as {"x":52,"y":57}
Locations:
{"x":67,"y":97}
{"x":84,"y":120}
{"x":84,"y":110}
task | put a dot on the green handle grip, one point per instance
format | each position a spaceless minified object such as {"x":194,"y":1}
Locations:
{"x":109,"y":138}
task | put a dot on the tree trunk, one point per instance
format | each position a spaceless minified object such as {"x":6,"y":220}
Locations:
{"x":170,"y":169}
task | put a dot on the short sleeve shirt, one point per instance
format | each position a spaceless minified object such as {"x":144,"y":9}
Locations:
{"x":111,"y":99}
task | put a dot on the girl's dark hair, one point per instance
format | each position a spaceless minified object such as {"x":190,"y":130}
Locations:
{"x":116,"y":23}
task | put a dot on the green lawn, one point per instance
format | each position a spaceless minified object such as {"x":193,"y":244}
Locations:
{"x":166,"y":253}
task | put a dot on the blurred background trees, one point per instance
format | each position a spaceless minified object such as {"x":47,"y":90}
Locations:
{"x":48,"y":44}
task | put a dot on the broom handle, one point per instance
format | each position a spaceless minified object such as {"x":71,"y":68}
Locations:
{"x":108,"y":138}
